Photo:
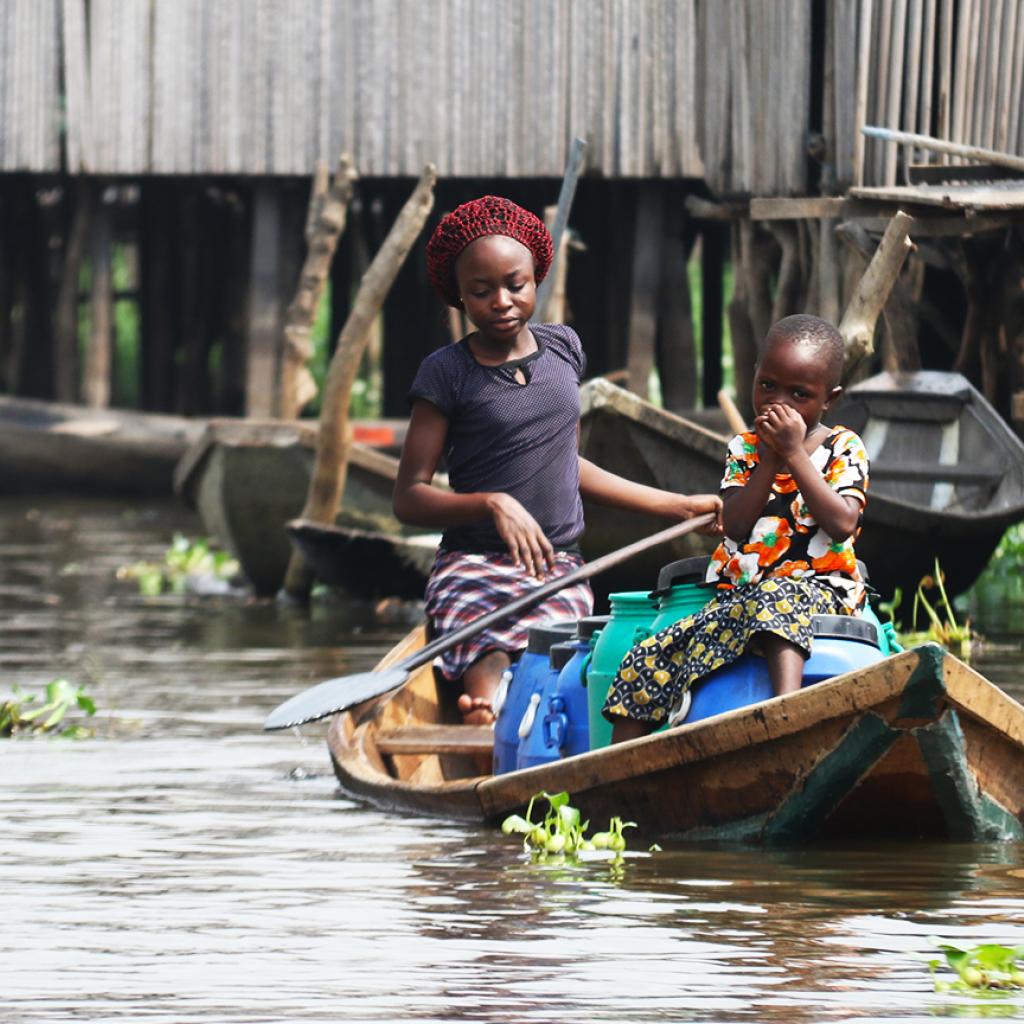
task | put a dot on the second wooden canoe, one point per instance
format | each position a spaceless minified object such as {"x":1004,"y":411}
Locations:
{"x":249,"y":478}
{"x":947,"y":477}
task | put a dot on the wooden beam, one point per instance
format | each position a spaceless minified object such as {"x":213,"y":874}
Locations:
{"x":798,"y":208}
{"x":705,"y":209}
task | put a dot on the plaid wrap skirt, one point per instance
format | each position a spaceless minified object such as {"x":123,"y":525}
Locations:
{"x":463,"y":586}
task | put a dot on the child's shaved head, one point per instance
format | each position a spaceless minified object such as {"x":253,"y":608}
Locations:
{"x":813,"y":334}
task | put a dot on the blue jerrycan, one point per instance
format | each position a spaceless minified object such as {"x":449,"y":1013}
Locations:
{"x":841,"y":643}
{"x":519,"y":684}
{"x":536,"y":745}
{"x":566,"y":724}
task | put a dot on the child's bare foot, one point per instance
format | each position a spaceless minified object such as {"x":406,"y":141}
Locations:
{"x":475,"y":710}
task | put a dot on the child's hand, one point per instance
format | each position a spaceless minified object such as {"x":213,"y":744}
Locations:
{"x":782,"y":429}
{"x":526,"y":541}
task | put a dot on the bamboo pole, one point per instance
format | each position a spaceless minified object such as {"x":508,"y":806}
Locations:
{"x":861,"y":105}
{"x":990,"y":156}
{"x":328,"y":209}
{"x":858,"y":324}
{"x":334,"y":439}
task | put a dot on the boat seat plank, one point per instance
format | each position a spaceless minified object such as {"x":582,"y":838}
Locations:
{"x":933,"y":471}
{"x":437,"y":739}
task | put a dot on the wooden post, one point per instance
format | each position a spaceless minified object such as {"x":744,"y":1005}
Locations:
{"x":554,"y":312}
{"x":677,"y":355}
{"x":327,"y":485}
{"x":66,"y":314}
{"x":191,"y":370}
{"x":98,"y":356}
{"x":858,"y":324}
{"x":326,"y":222}
{"x":712,"y":263}
{"x":647,"y":254}
{"x":264,"y":308}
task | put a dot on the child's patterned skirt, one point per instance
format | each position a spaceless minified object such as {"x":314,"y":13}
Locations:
{"x":655,"y":674}
{"x":464,"y":586}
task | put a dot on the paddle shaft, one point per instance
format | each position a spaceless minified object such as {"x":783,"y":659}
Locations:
{"x":545,"y":590}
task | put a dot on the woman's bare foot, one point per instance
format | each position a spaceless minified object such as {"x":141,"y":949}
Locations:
{"x":475,"y":710}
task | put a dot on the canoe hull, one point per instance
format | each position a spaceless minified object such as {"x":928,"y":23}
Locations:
{"x":918,"y":745}
{"x":366,"y":563}
{"x":64,"y":448}
{"x":248,"y":479}
{"x":947,"y":477}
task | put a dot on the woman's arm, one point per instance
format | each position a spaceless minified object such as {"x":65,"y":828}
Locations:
{"x":418,"y":503}
{"x":604,"y":488}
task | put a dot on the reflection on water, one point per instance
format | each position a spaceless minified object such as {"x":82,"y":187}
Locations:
{"x":184,"y":866}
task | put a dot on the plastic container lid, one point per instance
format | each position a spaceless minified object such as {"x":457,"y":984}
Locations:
{"x":587,"y":627}
{"x":845,"y":627}
{"x":561,"y":654}
{"x":540,"y":638}
{"x":685,"y":570}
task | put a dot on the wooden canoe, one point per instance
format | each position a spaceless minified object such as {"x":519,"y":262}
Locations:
{"x":624,"y":434}
{"x":917,"y":745}
{"x":369,"y":560}
{"x":248,"y":478}
{"x":54,"y":446}
{"x":947,"y":477}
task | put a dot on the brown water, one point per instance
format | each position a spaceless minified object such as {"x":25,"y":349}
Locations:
{"x":184,"y":866}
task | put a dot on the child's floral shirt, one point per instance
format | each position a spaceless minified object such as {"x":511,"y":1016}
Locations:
{"x":786,"y":540}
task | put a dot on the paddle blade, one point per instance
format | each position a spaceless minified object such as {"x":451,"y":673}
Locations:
{"x":333,"y":696}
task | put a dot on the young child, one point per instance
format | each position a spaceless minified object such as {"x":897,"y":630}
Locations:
{"x":793,"y":492}
{"x":502,"y":406}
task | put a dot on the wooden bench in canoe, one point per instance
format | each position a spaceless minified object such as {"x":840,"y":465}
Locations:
{"x":918,"y":745}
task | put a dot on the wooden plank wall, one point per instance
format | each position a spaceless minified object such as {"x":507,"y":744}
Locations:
{"x":755,"y":79}
{"x":29,"y":77}
{"x":484,"y":88}
{"x":953,"y":69}
{"x":489,"y":88}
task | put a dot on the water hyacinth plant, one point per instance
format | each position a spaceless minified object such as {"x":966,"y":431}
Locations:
{"x":184,"y":560}
{"x":561,"y":833}
{"x":942,"y":625}
{"x":19,"y":712}
{"x":984,"y":968}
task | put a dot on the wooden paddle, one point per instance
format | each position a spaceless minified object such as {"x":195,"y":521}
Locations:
{"x":336,"y":695}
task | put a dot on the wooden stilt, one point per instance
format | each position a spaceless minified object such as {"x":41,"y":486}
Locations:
{"x":98,"y":356}
{"x":327,"y":485}
{"x":65,"y":324}
{"x":328,"y":210}
{"x":858,"y":324}
{"x":677,"y":355}
{"x":647,"y":258}
{"x":712,"y":260}
{"x":237,"y":247}
{"x":264,"y":329}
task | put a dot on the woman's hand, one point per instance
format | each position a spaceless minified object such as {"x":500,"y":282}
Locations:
{"x":782,"y":430}
{"x":526,"y":541}
{"x":689,"y":505}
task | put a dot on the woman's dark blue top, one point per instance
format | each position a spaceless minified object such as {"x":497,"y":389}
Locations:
{"x":505,"y":436}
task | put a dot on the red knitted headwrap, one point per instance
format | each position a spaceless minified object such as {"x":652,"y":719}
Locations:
{"x":488,"y":215}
